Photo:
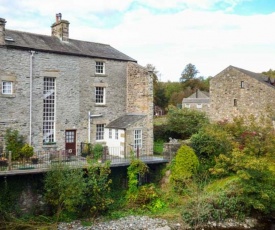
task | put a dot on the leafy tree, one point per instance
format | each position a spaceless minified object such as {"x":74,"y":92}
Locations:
{"x":185,"y":122}
{"x":270,"y":73}
{"x":190,"y":71}
{"x":160,"y":98}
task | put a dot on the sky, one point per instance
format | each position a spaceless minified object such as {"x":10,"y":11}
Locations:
{"x":169,"y":34}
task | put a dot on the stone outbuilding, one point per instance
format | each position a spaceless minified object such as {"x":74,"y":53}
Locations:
{"x":199,"y":100}
{"x":59,"y":92}
{"x":238,"y":92}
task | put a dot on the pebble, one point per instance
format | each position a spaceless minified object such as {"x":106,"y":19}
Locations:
{"x":129,"y":223}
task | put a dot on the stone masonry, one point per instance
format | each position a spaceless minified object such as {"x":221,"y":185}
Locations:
{"x":237,"y":92}
{"x":128,"y":89}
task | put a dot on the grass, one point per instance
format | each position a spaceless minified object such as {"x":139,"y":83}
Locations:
{"x":161,"y":120}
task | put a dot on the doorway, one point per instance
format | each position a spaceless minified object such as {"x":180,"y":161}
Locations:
{"x":70,"y":142}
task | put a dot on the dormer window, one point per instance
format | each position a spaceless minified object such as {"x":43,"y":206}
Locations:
{"x":99,"y":67}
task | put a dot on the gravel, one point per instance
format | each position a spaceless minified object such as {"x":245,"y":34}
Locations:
{"x":129,"y":223}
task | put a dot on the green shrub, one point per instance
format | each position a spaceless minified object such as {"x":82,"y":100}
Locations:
{"x":97,"y":151}
{"x":184,"y":166}
{"x":64,"y":189}
{"x":26,"y":152}
{"x":136,"y":169}
{"x":14,"y":143}
{"x":209,"y":142}
{"x":185,"y":122}
{"x":97,"y":197}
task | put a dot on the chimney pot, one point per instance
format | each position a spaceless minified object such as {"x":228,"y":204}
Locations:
{"x":58,"y":17}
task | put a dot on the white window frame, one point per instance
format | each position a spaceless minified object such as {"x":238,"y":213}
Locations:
{"x":49,"y":100}
{"x":187,"y":106}
{"x":137,"y":138}
{"x":100,"y":67}
{"x":7,"y":87}
{"x":199,"y":106}
{"x":99,"y":132}
{"x":116,"y":134}
{"x":100,"y":94}
{"x":110,"y":133}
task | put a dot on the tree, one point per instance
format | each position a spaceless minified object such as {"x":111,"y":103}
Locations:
{"x":270,"y":73}
{"x":158,"y":88}
{"x":185,"y":122}
{"x":190,"y":71}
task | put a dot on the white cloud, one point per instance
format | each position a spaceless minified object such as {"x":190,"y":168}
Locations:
{"x":209,"y":40}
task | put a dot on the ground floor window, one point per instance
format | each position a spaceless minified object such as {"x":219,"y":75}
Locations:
{"x":6,"y":87}
{"x":138,"y":138}
{"x":99,"y":132}
{"x":49,"y":110}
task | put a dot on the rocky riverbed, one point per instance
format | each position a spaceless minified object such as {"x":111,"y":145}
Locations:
{"x":147,"y":223}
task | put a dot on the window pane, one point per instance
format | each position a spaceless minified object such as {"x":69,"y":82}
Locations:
{"x":99,"y":95}
{"x":100,"y":132}
{"x":99,"y":67}
{"x":116,"y":134}
{"x":7,"y":87}
{"x":137,"y":138}
{"x":49,"y":110}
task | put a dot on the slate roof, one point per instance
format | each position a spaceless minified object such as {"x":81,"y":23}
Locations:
{"x":257,"y":76}
{"x":25,"y":40}
{"x":125,"y":121}
{"x":197,"y":97}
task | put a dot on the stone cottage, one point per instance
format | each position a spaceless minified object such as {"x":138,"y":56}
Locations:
{"x":199,"y":100}
{"x":59,"y":92}
{"x":238,"y":92}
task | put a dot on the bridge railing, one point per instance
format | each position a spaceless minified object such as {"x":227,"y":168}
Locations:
{"x":45,"y":159}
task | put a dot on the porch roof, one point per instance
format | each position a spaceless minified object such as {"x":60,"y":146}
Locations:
{"x":124,"y":121}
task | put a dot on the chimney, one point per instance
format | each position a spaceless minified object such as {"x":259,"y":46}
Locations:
{"x":60,"y":28}
{"x":2,"y":31}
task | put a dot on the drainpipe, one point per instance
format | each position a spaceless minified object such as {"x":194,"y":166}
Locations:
{"x":31,"y":65}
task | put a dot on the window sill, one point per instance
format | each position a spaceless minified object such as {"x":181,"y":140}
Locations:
{"x":100,"y":75}
{"x":50,"y":144}
{"x":100,"y":105}
{"x":8,"y":95}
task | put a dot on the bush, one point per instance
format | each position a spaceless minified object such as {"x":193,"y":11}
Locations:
{"x":14,"y":143}
{"x":97,"y":151}
{"x":64,"y":188}
{"x":185,"y":122}
{"x":215,"y":202}
{"x":26,"y":152}
{"x":97,"y":197}
{"x":184,"y":166}
{"x":209,"y":142}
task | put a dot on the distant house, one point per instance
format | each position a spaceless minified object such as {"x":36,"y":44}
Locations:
{"x":238,"y":92}
{"x":59,"y":92}
{"x":199,"y":100}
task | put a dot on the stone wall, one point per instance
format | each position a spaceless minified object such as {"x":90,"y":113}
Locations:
{"x":228,"y":99}
{"x":140,"y":99}
{"x":75,"y":94}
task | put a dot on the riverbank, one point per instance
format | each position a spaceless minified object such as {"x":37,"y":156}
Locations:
{"x":147,"y":223}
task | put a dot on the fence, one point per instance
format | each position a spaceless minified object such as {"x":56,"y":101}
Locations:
{"x":43,"y":160}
